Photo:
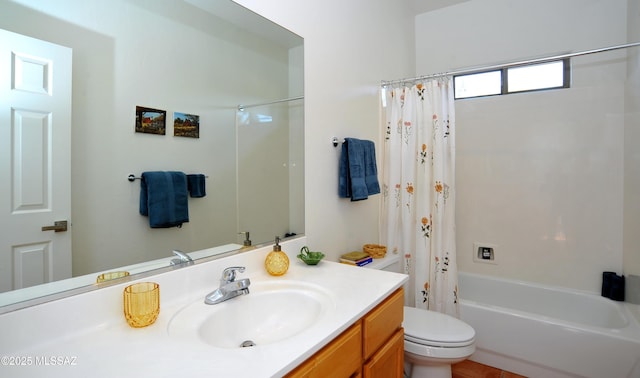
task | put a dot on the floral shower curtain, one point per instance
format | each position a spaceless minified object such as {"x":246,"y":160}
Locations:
{"x":418,"y":204}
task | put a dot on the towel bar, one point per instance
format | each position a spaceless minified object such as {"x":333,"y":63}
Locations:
{"x":132,"y":177}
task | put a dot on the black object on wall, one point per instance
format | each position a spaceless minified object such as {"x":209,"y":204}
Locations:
{"x":613,"y":286}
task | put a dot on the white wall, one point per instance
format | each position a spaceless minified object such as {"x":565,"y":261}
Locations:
{"x":564,"y":181}
{"x":540,"y":175}
{"x":632,"y":147}
{"x":349,"y":47}
{"x":552,"y":174}
{"x":184,"y":66}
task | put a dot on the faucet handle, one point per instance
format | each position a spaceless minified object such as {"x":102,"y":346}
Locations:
{"x":229,"y":274}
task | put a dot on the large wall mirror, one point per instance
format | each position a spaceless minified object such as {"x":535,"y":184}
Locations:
{"x":240,"y":73}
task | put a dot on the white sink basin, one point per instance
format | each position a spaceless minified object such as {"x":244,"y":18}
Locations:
{"x":273,"y":311}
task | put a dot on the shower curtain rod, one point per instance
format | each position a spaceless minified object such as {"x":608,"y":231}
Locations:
{"x":242,"y":107}
{"x":506,"y":65}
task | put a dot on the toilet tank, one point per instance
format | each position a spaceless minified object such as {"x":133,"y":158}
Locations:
{"x":389,"y":263}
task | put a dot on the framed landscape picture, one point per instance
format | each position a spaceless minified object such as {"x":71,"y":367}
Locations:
{"x":186,"y":125}
{"x":150,"y":121}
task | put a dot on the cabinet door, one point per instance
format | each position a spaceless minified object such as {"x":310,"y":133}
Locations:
{"x":341,"y":358}
{"x":304,"y":370}
{"x":388,"y":361}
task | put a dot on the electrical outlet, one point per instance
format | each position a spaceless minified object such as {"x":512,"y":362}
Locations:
{"x":484,"y":253}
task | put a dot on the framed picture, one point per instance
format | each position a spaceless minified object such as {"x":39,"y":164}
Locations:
{"x":150,"y":121}
{"x":186,"y":125}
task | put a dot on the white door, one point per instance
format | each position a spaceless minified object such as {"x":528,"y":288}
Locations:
{"x":35,"y":161}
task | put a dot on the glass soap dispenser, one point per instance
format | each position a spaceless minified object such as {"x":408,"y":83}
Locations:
{"x":277,"y":262}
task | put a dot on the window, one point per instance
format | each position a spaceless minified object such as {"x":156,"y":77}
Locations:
{"x":479,"y":84}
{"x":516,"y":79}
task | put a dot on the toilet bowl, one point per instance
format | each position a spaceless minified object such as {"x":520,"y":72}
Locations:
{"x":433,"y":342}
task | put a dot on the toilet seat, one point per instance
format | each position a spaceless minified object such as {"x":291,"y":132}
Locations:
{"x":434,"y":329}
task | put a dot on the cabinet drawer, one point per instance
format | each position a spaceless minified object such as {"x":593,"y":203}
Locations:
{"x":341,"y":358}
{"x":382,"y":322}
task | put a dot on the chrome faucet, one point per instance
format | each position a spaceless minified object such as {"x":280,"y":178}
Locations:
{"x":229,"y":287}
{"x":182,"y":258}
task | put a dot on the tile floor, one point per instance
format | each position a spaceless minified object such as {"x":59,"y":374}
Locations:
{"x":471,"y":369}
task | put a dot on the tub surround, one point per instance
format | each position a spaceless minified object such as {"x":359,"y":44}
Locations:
{"x":86,"y":334}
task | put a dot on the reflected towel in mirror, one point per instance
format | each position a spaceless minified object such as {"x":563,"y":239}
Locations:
{"x":164,"y":199}
{"x":196,"y":185}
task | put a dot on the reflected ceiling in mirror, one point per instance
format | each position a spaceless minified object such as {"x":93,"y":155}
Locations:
{"x":171,"y":55}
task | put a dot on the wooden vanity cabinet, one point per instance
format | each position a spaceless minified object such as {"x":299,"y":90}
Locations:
{"x":340,"y":358}
{"x":383,"y":338}
{"x":373,"y":347}
{"x":388,"y":361}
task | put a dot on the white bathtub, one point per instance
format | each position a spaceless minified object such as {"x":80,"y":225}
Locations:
{"x":544,"y":331}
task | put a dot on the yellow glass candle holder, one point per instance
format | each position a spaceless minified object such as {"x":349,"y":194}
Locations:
{"x":111,"y":276}
{"x":141,"y":303}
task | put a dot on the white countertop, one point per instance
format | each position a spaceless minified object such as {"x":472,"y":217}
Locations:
{"x":86,"y":335}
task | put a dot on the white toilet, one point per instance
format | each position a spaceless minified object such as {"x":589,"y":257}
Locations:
{"x":432,"y":341}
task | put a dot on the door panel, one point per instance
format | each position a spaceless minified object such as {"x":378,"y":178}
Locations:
{"x":35,"y":161}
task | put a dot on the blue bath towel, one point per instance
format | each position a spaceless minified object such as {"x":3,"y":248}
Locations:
{"x":358,"y":173}
{"x":163,"y":198}
{"x":196,"y":185}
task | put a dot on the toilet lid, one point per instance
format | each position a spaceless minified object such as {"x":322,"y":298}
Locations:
{"x":436,"y":329}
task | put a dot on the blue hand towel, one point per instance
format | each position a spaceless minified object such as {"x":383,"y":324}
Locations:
{"x":370,"y":168}
{"x":358,"y":173}
{"x":344,"y":183}
{"x":357,"y":163}
{"x":196,"y":185}
{"x":163,"y":197}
